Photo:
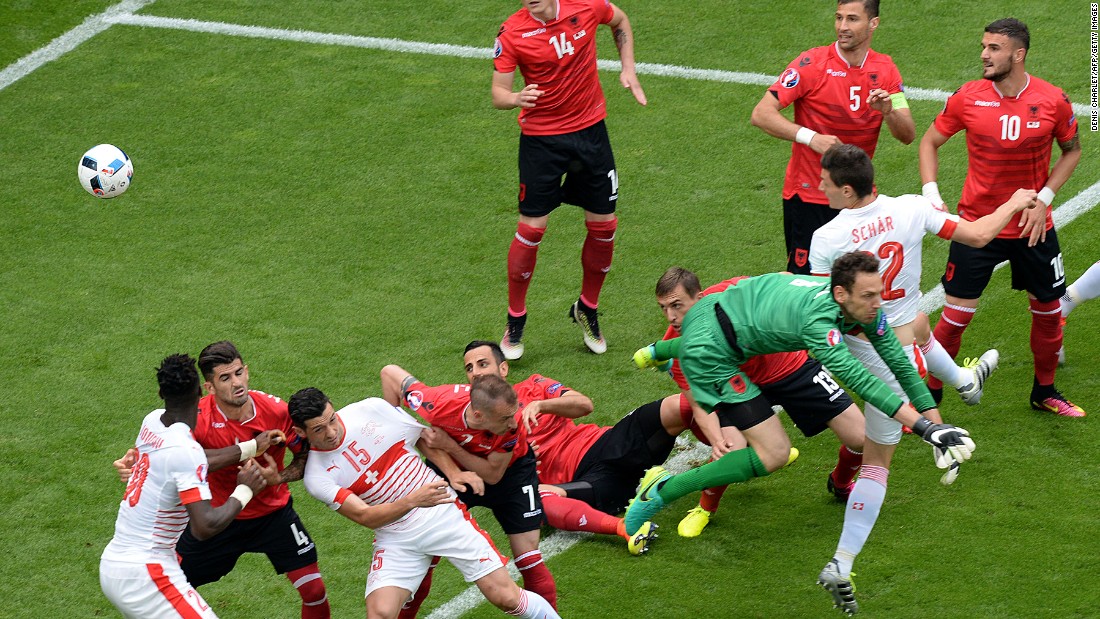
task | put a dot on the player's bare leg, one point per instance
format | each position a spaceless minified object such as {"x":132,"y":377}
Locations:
{"x":385,"y":602}
{"x":498,"y":588}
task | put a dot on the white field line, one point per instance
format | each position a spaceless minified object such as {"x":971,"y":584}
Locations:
{"x":122,"y":13}
{"x":560,"y":541}
{"x":91,"y":26}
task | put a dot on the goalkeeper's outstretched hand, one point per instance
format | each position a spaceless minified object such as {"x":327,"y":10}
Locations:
{"x":646,"y":357}
{"x":952,"y":445}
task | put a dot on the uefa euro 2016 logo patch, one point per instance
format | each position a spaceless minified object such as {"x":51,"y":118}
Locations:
{"x":882,"y":326}
{"x":414,"y":399}
{"x":833,"y":337}
{"x":789,"y":79}
{"x":498,"y":49}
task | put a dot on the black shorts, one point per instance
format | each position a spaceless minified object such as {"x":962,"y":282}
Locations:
{"x":810,"y":397}
{"x":514,"y":500}
{"x":800,"y":221}
{"x":616,"y":462}
{"x":583,"y":157}
{"x":744,"y":415}
{"x":279,"y":535}
{"x":1037,"y":270}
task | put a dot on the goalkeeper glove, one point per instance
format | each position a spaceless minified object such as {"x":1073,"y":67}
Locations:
{"x":646,"y":357}
{"x":952,"y":444}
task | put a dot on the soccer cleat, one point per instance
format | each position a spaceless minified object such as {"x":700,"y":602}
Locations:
{"x":791,"y":457}
{"x":693,"y":524}
{"x":638,"y":544}
{"x":511,"y":344}
{"x":590,"y":327}
{"x":841,"y":588}
{"x":647,"y":502}
{"x":980,"y":368}
{"x":840,"y":492}
{"x":1058,"y":404}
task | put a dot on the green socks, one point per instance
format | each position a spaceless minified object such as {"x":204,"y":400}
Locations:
{"x":734,"y":467}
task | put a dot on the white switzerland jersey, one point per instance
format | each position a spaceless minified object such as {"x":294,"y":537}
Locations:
{"x":170,"y":472}
{"x":376,"y":461}
{"x":893,"y":230}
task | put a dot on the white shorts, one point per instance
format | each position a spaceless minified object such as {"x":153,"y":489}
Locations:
{"x":151,"y":591}
{"x":880,"y":427}
{"x":401,"y":558}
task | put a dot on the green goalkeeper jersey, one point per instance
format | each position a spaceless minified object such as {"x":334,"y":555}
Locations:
{"x":782,"y":313}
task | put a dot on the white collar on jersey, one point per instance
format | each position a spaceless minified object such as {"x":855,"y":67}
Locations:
{"x":557,"y":11}
{"x":242,"y":421}
{"x":836,"y":46}
{"x":1026,"y":84}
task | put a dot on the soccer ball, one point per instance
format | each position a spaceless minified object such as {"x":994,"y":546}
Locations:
{"x":105,"y":171}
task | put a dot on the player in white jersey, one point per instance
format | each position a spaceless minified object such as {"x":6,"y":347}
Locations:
{"x":138,"y":571}
{"x":1085,"y":288}
{"x":891,"y":229}
{"x":363,"y":464}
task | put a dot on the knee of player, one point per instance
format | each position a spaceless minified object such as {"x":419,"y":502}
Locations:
{"x":774,"y":457}
{"x":922,"y":329}
{"x":499,"y":589}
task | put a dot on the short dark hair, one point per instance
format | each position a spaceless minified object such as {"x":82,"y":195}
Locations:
{"x":488,"y":390}
{"x":870,"y":6}
{"x":848,"y":164}
{"x":1013,"y":29}
{"x":678,"y":276}
{"x":498,"y":354}
{"x":178,"y":380}
{"x":218,"y":353}
{"x":848,"y":266}
{"x":307,"y":404}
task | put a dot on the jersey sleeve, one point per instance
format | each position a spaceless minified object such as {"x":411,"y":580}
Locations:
{"x":950,"y":121}
{"x":889,"y":348}
{"x":826,"y":343}
{"x":189,"y":469}
{"x":894,"y":85}
{"x":799,"y":79}
{"x":1066,"y":126}
{"x":322,"y":487}
{"x":603,"y":10}
{"x":934,"y":220}
{"x":504,"y":58}
{"x":821,"y":254}
{"x":410,"y":428}
{"x":424,"y":400}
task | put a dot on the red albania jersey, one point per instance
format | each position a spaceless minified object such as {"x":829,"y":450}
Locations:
{"x":830,"y":97}
{"x":1008,"y":142}
{"x":559,"y":56}
{"x":762,"y":369}
{"x":444,"y":407}
{"x":562,"y":442}
{"x":214,"y":430}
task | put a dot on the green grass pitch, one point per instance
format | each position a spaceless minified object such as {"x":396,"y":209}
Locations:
{"x":333,"y":209}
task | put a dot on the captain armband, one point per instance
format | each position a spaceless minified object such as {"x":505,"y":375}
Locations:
{"x":899,"y":101}
{"x":406,"y":384}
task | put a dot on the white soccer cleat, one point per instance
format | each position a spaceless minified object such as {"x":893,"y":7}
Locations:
{"x":980,"y":368}
{"x":590,"y":327}
{"x":842,"y":589}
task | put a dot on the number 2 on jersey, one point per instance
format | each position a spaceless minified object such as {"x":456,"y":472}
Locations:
{"x":895,"y":253}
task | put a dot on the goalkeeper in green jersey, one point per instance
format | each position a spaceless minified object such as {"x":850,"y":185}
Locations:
{"x":779,"y":313}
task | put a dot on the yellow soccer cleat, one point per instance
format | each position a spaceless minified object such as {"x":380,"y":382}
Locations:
{"x":693,"y":524}
{"x":792,"y":457}
{"x":638,"y":544}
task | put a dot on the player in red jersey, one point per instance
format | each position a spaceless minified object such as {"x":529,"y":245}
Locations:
{"x":841,"y":93}
{"x":480,"y":418}
{"x":138,"y":570}
{"x":792,"y":380}
{"x":1011,"y":121}
{"x":562,"y":111}
{"x":234,"y":425}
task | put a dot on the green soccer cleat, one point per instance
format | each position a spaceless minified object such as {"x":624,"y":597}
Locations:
{"x":638,"y":544}
{"x":647,"y":502}
{"x":693,"y":524}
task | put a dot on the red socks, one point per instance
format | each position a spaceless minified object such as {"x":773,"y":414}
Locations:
{"x":537,"y":577}
{"x":599,"y":245}
{"x":567,"y":514}
{"x":307,"y":580}
{"x":1046,"y":338}
{"x":521,"y":265}
{"x":847,"y":465}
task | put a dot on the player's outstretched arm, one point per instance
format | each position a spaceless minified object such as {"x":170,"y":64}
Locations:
{"x":374,"y":516}
{"x":624,"y":40}
{"x":767,"y":117}
{"x":394,"y":382}
{"x":571,"y":405}
{"x":491,"y":468}
{"x":233,"y":454}
{"x":207,"y":521}
{"x":980,"y":232}
{"x":125,"y":464}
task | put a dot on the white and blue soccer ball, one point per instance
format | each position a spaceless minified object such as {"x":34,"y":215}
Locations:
{"x":105,"y":171}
